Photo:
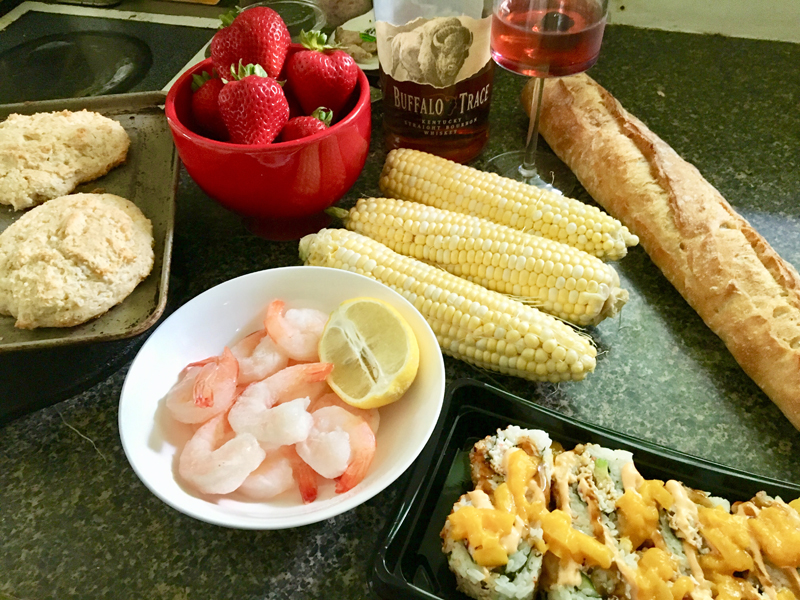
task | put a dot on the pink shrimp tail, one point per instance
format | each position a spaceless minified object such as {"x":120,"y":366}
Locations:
{"x":202,"y":390}
{"x":275,"y":309}
{"x":215,"y":371}
{"x":363,"y":453}
{"x":273,"y":320}
{"x":254,"y":338}
{"x":306,"y":479}
{"x":197,"y":363}
{"x":318,"y":371}
{"x":305,"y":476}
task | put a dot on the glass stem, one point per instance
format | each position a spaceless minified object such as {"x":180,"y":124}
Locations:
{"x":528,"y":166}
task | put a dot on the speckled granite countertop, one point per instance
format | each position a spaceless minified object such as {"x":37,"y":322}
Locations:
{"x":75,"y":522}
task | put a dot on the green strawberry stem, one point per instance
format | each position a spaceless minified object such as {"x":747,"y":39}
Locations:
{"x":316,"y":40}
{"x":228,"y":17}
{"x":247,"y":70}
{"x":323,"y":114}
{"x":200,"y":80}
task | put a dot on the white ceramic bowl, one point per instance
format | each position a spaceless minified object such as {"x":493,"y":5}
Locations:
{"x":223,"y":315}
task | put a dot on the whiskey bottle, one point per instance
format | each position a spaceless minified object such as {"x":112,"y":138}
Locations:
{"x":436,"y":74}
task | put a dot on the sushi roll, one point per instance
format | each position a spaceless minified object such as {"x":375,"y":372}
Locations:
{"x":493,"y":545}
{"x":716,"y":556}
{"x":659,"y":522}
{"x":692,"y":517}
{"x":774,"y":526}
{"x":584,"y":524}
{"x":654,"y":531}
{"x":590,"y":560}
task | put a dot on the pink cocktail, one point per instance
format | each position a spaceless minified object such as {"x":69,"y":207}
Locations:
{"x":540,"y":39}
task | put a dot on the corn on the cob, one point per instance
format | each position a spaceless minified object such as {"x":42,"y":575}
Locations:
{"x":471,"y":323}
{"x":422,"y":177}
{"x":554,"y":277}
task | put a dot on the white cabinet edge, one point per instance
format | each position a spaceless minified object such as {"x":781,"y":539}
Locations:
{"x":778,"y":20}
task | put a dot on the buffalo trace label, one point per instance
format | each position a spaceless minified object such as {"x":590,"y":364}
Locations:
{"x":438,"y":112}
{"x":439,"y":52}
{"x":441,"y":105}
{"x":436,"y":76}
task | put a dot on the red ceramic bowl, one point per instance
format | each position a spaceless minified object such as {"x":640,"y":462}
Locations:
{"x":282,"y":180}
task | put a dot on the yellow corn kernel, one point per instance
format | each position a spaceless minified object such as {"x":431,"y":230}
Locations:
{"x":528,"y":267}
{"x":492,"y":317}
{"x":435,"y":181}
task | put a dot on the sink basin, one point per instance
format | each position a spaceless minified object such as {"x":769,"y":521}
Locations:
{"x":51,"y":51}
{"x":73,"y":65}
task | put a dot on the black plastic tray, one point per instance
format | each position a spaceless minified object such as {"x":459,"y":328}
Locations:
{"x":410,"y":563}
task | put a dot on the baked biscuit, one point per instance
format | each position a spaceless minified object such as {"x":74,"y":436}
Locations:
{"x":46,"y":155}
{"x":72,"y":259}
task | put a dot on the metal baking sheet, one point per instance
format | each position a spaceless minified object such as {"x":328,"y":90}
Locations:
{"x":149,"y":179}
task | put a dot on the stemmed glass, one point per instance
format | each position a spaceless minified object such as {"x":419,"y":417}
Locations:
{"x":541,"y":39}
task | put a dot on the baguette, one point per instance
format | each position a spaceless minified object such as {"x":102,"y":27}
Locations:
{"x":742,"y":289}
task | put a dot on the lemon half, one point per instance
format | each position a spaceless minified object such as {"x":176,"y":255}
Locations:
{"x":374,"y":352}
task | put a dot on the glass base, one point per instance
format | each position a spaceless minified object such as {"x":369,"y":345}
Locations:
{"x":551,"y":174}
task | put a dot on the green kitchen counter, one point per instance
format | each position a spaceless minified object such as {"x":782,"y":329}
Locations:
{"x":76,"y":522}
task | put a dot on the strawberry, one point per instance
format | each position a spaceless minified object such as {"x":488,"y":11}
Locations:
{"x":321,"y":75}
{"x":205,"y":108}
{"x":253,"y":106}
{"x":256,"y":36}
{"x":300,"y":127}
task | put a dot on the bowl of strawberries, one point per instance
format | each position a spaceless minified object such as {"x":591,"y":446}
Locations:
{"x":273,"y":131}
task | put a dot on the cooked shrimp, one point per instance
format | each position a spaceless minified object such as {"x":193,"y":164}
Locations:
{"x":285,"y":424}
{"x":303,"y":380}
{"x":204,"y":389}
{"x":274,"y":410}
{"x":322,"y":449}
{"x":272,"y":477}
{"x":372,"y":416}
{"x":217,"y":461}
{"x":296,"y":331}
{"x":259,"y":357}
{"x":327,"y":452}
{"x":304,"y":475}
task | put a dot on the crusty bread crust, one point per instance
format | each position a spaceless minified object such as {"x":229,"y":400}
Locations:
{"x":73,"y":258}
{"x":741,"y":288}
{"x":46,"y":155}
